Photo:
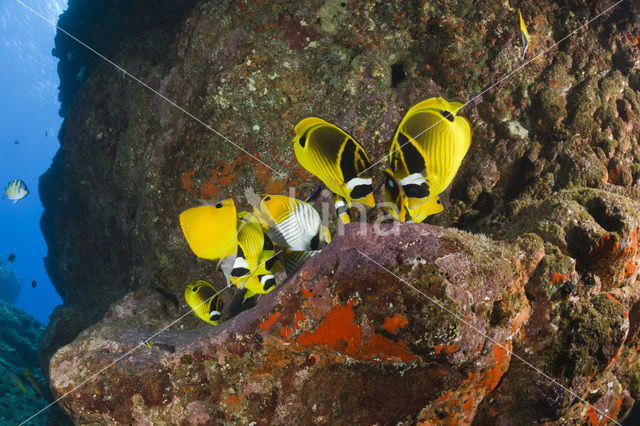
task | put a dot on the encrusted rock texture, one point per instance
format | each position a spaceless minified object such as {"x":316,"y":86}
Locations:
{"x":19,"y":335}
{"x":530,"y":273}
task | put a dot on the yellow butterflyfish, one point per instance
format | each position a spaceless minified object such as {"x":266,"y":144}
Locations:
{"x":427,"y":149}
{"x":255,"y":257}
{"x":526,"y":39}
{"x":205,"y":301}
{"x":337,"y":159}
{"x":211,"y":230}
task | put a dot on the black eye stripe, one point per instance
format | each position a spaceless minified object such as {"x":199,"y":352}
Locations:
{"x":416,"y":191}
{"x":240,"y":272}
{"x":269,"y":283}
{"x":267,"y":198}
{"x":361,"y":191}
{"x":303,"y":140}
{"x":392,"y":188}
{"x":219,"y":205}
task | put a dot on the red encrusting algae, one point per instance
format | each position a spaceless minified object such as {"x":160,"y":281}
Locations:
{"x":339,"y":332}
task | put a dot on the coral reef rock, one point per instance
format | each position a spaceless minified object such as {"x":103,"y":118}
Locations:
{"x":343,"y":340}
{"x":19,"y":335}
{"x":551,"y":181}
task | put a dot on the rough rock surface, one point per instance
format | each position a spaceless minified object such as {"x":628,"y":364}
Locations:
{"x":552,"y":173}
{"x":19,"y":335}
{"x":342,"y":341}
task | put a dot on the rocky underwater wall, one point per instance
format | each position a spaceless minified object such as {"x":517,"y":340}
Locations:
{"x":21,"y":383}
{"x":531,"y":267}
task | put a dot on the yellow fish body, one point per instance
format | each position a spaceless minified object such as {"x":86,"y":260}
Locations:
{"x":336,"y":158}
{"x":35,"y":384}
{"x":292,"y":223}
{"x":17,"y":382}
{"x":211,"y":230}
{"x":526,"y":39}
{"x":16,"y":190}
{"x":255,"y":257}
{"x":396,"y":202}
{"x":428,"y":148}
{"x":205,"y":301}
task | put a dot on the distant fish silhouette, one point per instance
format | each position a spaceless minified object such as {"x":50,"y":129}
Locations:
{"x":35,"y":384}
{"x":16,"y":381}
{"x":34,"y":284}
{"x":11,"y":257}
{"x":80,"y":74}
{"x":16,"y":142}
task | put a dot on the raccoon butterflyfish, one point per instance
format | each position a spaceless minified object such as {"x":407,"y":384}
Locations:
{"x":526,"y":39}
{"x":427,"y":149}
{"x":205,"y":301}
{"x":396,"y":202}
{"x":336,"y":158}
{"x":16,"y":190}
{"x":292,"y":223}
{"x":211,"y":230}
{"x":255,"y":257}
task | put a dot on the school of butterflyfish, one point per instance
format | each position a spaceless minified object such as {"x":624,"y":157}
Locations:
{"x":427,"y":149}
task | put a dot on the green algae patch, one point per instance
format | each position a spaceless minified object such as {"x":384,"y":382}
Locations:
{"x":588,"y":338}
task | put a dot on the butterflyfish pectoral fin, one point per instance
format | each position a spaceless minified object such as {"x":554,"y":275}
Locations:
{"x":335,"y":157}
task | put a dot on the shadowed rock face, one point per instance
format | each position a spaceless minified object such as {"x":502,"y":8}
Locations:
{"x":551,"y":179}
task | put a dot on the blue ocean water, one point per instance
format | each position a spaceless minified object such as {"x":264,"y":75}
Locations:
{"x":29,"y":115}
